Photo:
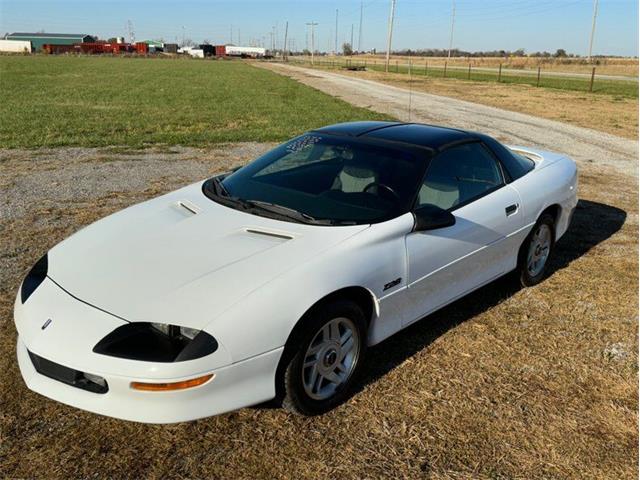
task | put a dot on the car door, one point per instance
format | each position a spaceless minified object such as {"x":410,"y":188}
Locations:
{"x":446,"y":263}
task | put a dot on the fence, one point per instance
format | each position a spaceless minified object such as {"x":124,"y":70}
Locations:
{"x":424,"y":67}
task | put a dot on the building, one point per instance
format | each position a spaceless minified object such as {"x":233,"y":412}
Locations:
{"x":193,"y":51}
{"x":171,"y":47}
{"x":253,"y":52}
{"x":39,"y":39}
{"x":15,"y":46}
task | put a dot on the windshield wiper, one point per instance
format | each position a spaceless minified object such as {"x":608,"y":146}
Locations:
{"x":219,"y":187}
{"x":285,"y":211}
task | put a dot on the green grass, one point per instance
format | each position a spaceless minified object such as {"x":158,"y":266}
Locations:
{"x":626,"y":89}
{"x":95,"y":101}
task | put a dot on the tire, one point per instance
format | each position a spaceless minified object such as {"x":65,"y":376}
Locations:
{"x":539,"y":245}
{"x":320,"y":368}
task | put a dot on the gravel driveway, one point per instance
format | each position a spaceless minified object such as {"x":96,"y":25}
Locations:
{"x":582,"y":144}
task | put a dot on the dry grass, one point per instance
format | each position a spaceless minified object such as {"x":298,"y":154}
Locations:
{"x":507,"y":383}
{"x":607,"y":113}
{"x":604,"y":66}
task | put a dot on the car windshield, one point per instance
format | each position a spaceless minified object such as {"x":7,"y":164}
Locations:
{"x":325,"y":179}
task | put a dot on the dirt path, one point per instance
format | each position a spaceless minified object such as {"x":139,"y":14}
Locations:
{"x":584,"y":145}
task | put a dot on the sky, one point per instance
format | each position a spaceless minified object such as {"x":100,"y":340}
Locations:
{"x":534,"y":25}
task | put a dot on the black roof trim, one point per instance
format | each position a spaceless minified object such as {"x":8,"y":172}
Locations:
{"x":356,"y":129}
{"x":455,"y":143}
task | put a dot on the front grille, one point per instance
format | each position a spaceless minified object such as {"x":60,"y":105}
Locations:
{"x":75,"y":378}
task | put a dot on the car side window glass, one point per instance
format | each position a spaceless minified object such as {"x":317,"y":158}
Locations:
{"x":459,"y":175}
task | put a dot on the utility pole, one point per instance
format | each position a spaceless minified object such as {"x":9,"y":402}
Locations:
{"x":239,"y":42}
{"x":286,"y":32}
{"x":313,"y":40}
{"x":351,"y":44}
{"x":360,"y":28}
{"x":273,"y":40}
{"x":336,"y":44}
{"x":593,"y":28}
{"x":132,"y":36}
{"x":453,"y":19}
{"x":390,"y":35}
{"x":230,"y":33}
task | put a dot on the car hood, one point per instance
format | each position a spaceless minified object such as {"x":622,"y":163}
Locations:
{"x":182,"y":258}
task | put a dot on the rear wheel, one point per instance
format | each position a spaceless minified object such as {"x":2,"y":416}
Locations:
{"x":327,"y":359}
{"x":536,"y":250}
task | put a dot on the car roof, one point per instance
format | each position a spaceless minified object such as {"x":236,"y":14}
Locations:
{"x":422,"y":135}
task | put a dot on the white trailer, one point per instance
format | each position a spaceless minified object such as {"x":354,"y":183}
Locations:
{"x":15,"y":46}
{"x":194,"y":52}
{"x":235,"y":51}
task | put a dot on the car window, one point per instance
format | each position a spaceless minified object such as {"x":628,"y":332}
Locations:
{"x":332,"y":178}
{"x":300,"y":152}
{"x":459,"y":175}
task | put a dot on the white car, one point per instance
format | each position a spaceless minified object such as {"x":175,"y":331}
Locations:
{"x":270,"y":282}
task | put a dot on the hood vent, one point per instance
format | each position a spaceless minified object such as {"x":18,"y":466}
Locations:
{"x":188,"y":206}
{"x":281,"y":236}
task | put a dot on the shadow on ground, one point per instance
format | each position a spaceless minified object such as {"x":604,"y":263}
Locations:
{"x":592,"y":224}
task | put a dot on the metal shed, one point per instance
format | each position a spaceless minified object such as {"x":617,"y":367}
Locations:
{"x":39,"y":39}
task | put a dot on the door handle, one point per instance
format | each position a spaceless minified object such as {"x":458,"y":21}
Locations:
{"x":511,"y":209}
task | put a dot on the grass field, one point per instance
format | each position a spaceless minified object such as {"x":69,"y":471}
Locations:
{"x":507,"y":383}
{"x":601,"y":86}
{"x":85,"y":101}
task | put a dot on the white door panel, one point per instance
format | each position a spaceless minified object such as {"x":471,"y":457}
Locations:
{"x":448,"y":262}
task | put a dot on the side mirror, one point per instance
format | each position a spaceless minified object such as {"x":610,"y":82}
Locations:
{"x":430,"y":217}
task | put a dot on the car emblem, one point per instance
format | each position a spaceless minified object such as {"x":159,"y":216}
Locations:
{"x":46,"y":324}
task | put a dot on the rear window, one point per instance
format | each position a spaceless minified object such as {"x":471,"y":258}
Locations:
{"x":515,"y":165}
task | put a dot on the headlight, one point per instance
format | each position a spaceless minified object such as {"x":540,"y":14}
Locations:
{"x":156,"y":342}
{"x":34,"y":278}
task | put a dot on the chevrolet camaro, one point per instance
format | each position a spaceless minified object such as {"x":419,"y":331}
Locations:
{"x":271,"y":281}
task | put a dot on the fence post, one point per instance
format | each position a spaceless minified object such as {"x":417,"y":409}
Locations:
{"x":593,"y":74}
{"x":444,"y":74}
{"x":426,"y":67}
{"x":538,"y":79}
{"x":409,"y":67}
{"x":469,"y":73}
{"x":397,"y":66}
{"x":499,"y":73}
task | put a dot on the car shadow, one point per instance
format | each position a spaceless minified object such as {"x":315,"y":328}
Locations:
{"x":592,"y":223}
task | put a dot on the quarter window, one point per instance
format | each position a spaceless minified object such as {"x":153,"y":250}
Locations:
{"x":459,"y":175}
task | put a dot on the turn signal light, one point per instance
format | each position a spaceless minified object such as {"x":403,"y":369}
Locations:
{"x":164,"y":387}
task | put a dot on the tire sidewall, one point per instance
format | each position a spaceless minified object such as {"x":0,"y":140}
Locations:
{"x":295,"y":396}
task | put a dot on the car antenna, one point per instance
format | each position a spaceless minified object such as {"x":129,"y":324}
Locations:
{"x":410,"y":86}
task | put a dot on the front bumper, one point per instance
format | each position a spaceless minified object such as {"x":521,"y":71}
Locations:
{"x":59,"y":328}
{"x":239,"y":385}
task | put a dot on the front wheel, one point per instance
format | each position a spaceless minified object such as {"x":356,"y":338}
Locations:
{"x":535,"y":252}
{"x":327,"y":360}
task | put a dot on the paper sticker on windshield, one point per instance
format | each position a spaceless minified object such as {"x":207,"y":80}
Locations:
{"x":302,"y":143}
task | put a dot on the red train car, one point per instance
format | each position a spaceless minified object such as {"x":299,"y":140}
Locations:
{"x":142,"y":48}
